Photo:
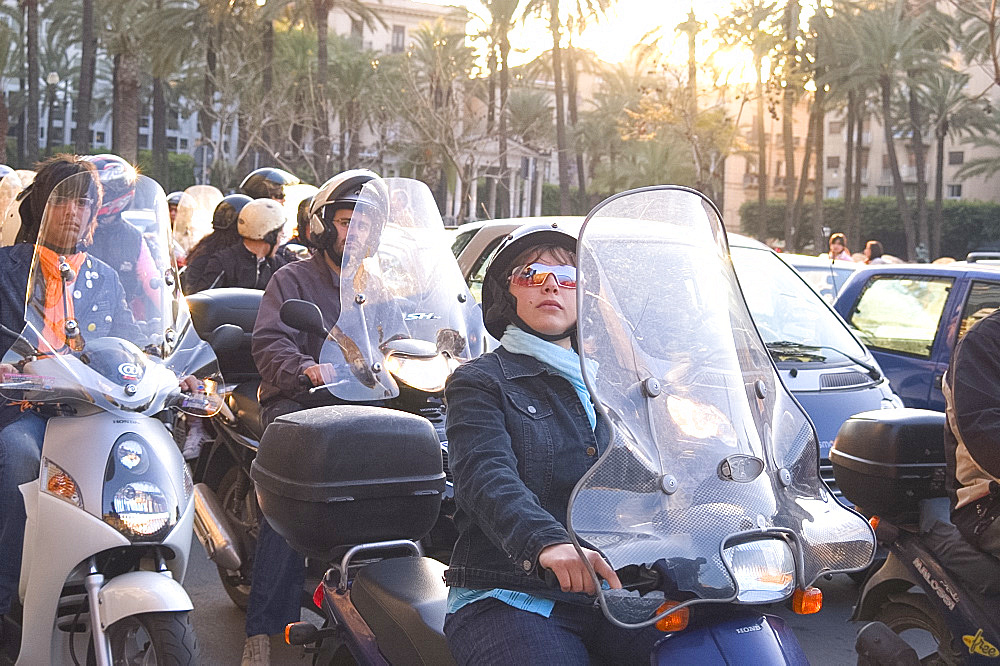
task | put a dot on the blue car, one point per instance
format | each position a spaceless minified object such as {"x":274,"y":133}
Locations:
{"x":911,"y":316}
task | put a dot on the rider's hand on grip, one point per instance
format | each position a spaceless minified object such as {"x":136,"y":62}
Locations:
{"x":571,"y":572}
{"x":319,"y":374}
{"x":6,"y":369}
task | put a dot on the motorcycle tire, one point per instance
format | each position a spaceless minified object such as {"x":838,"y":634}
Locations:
{"x":164,"y":639}
{"x":245,"y":519}
{"x":915,"y":615}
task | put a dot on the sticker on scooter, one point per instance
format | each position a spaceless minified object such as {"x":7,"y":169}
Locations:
{"x":947,"y":597}
{"x":130,"y":372}
{"x":419,"y":316}
{"x":979,"y":645}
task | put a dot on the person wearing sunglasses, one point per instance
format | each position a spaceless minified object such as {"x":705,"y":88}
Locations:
{"x":522,"y":430}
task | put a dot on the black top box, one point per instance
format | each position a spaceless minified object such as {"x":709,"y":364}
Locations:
{"x":333,"y":476}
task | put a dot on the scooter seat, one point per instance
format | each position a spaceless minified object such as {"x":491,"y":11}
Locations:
{"x":404,"y":600}
{"x":244,"y":404}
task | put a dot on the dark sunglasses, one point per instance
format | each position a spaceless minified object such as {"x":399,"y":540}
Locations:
{"x":534,"y":275}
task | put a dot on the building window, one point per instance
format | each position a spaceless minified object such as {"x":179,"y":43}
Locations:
{"x":173,"y":120}
{"x":171,"y":143}
{"x":833,"y":193}
{"x":956,"y":157}
{"x":836,"y":126}
{"x":144,"y":141}
{"x":833,"y":162}
{"x":398,"y":38}
{"x":97,"y":137}
{"x":184,"y":144}
{"x":357,"y":30}
{"x":884,"y":191}
{"x":954,"y":191}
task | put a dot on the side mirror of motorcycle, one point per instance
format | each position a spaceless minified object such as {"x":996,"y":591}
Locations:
{"x":227,"y":337}
{"x":303,"y":316}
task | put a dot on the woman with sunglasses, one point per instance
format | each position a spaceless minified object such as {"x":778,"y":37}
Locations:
{"x":522,"y":430}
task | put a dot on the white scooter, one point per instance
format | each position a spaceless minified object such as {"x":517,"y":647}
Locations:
{"x":109,"y":520}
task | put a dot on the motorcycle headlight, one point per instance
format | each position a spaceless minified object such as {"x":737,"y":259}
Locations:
{"x":764,"y":570}
{"x":140,"y":500}
{"x":426,"y":374}
{"x":700,"y":420}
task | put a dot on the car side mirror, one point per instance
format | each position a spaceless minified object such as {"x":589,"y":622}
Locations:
{"x":303,"y":316}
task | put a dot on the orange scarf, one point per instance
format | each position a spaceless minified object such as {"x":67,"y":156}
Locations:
{"x":56,"y":311}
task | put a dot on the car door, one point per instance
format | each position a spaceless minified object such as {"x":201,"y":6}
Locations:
{"x":899,"y":316}
{"x":980,"y":299}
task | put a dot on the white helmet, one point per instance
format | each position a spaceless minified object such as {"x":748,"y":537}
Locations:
{"x":261,"y":219}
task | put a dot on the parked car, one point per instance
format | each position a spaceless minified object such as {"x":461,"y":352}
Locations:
{"x":911,"y":315}
{"x":826,"y":277}
{"x":822,"y":363}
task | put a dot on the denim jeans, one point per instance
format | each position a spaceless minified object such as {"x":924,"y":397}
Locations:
{"x":490,"y":632}
{"x":20,"y":453}
{"x":278,"y":571}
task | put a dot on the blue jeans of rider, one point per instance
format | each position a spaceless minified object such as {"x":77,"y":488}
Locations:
{"x":278,"y":571}
{"x":20,"y":454}
{"x":490,"y":632}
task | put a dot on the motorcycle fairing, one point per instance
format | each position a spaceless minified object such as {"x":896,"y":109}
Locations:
{"x":398,"y":281}
{"x":708,"y":446}
{"x":194,"y":214}
{"x":127,"y":356}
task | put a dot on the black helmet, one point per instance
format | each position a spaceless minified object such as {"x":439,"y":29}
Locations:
{"x":267,"y":183}
{"x":118,"y":179}
{"x":228,"y":211}
{"x":499,"y":306}
{"x":174,"y":198}
{"x":341,"y":191}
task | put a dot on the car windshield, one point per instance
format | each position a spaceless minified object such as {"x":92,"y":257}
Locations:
{"x":787,"y":312}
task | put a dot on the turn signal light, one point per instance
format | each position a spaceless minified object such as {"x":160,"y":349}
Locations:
{"x":59,"y":483}
{"x":807,"y":601}
{"x":318,"y":596}
{"x":873,"y":521}
{"x":676,"y":621}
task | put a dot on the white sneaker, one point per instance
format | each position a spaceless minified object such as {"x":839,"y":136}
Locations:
{"x":257,"y":651}
{"x":196,"y":436}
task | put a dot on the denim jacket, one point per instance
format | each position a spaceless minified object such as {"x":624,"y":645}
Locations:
{"x":518,"y":441}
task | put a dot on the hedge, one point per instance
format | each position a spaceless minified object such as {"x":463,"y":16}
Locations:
{"x":966,"y":225}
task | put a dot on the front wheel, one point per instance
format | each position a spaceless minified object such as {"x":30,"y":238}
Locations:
{"x":922,"y":629}
{"x":163,"y":639}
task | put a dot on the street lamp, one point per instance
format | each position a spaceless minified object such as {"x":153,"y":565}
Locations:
{"x":52,"y":79}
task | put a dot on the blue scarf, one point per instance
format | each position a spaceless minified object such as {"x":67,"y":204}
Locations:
{"x":563,"y":362}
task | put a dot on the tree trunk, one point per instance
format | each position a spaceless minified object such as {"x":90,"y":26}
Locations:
{"x":85,"y":91}
{"x":904,"y":208}
{"x":267,"y":76}
{"x":803,"y":183}
{"x":859,"y":165}
{"x":354,"y":126}
{"x":50,"y":116}
{"x":940,"y":134}
{"x":504,"y":95}
{"x":788,"y":104}
{"x":125,"y":130}
{"x":321,"y":148}
{"x":819,"y":188}
{"x":4,"y":127}
{"x":852,"y":120}
{"x":565,"y":203}
{"x":574,"y":117}
{"x":920,"y":157}
{"x":761,"y":142}
{"x":208,"y":91}
{"x":161,"y":159}
{"x":491,"y":87}
{"x":31,"y":144}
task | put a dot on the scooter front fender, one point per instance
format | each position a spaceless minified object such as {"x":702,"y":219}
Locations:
{"x":750,"y":638}
{"x":141,"y":592}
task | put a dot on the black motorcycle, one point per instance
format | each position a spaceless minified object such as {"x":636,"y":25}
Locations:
{"x":407,"y":319}
{"x":935,"y":590}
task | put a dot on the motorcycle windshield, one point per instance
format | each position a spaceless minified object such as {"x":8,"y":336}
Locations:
{"x":10,"y":219}
{"x":710,"y":456}
{"x":399,"y":281}
{"x":294,"y":195}
{"x":105,"y":321}
{"x":194,"y":215}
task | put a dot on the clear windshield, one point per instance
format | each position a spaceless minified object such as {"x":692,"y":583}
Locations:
{"x":10,"y":219}
{"x":105,"y":321}
{"x":194,"y":214}
{"x":707,"y":443}
{"x":294,"y":194}
{"x":399,"y":281}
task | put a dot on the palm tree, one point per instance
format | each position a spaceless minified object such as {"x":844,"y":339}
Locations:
{"x":951,"y":113}
{"x":582,"y":10}
{"x":88,"y":62}
{"x":10,"y":59}
{"x":502,"y":15}
{"x":750,"y":25}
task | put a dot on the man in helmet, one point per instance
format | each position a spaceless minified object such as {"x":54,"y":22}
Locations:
{"x":117,"y":242}
{"x":267,"y":183}
{"x":224,"y":234}
{"x":251,"y":263}
{"x":284,"y":355}
{"x":173,"y":200}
